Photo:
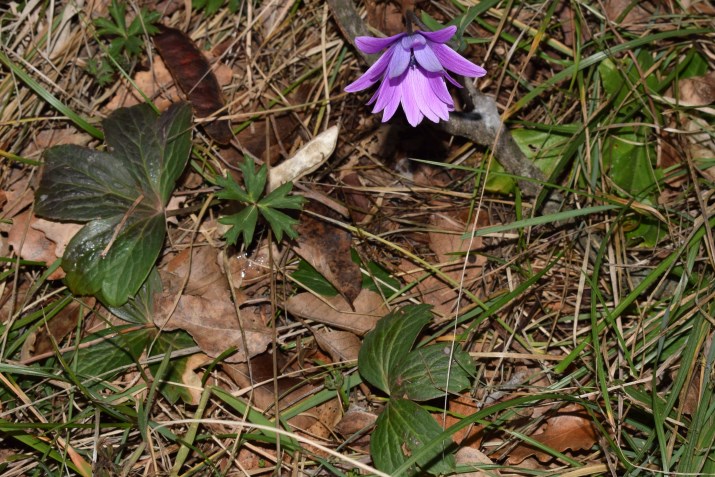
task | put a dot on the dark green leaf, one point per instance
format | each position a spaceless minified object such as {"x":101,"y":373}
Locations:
{"x":172,"y":385}
{"x":279,"y":198}
{"x":120,"y":273}
{"x":425,"y":373}
{"x":230,"y":189}
{"x":255,"y":182}
{"x":312,"y":280}
{"x":279,"y":222}
{"x":140,"y":308}
{"x":403,"y":428}
{"x":387,"y":345}
{"x":380,"y":280}
{"x":243,"y":222}
{"x":81,"y":184}
{"x":631,"y":167}
{"x":124,"y":192}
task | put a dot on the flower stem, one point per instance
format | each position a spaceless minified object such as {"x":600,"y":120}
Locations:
{"x":411,"y":17}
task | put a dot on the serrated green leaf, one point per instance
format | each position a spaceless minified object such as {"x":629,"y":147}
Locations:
{"x":387,"y":345}
{"x":280,"y":223}
{"x":243,"y":222}
{"x":425,"y":373}
{"x":81,"y":184}
{"x":403,"y":428}
{"x":255,"y":182}
{"x":120,"y":273}
{"x":230,"y":190}
{"x":279,"y":198}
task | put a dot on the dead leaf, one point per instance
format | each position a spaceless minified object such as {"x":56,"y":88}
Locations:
{"x":463,"y":406}
{"x":327,"y":248}
{"x":193,"y":73}
{"x":355,"y":420}
{"x":336,"y":312}
{"x":340,"y":345}
{"x":191,"y":379}
{"x":41,"y":240}
{"x":445,"y":239}
{"x":470,"y":456}
{"x":308,"y":158}
{"x":204,"y":308}
{"x":571,"y":429}
{"x":56,"y":329}
{"x":698,"y":91}
{"x":637,"y":15}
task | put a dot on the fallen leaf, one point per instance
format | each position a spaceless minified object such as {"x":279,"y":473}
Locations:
{"x":41,"y":240}
{"x":470,"y":456}
{"x":194,"y":75}
{"x":342,"y":346}
{"x":204,"y":307}
{"x":327,"y":248}
{"x":698,"y":91}
{"x":463,"y":406}
{"x":355,"y":420}
{"x":306,"y":160}
{"x":43,"y":339}
{"x":571,"y":429}
{"x":336,"y":312}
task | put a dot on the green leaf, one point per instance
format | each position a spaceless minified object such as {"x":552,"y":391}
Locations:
{"x":279,"y":198}
{"x":631,"y":167}
{"x":140,"y":308}
{"x":312,"y":280}
{"x":118,"y":275}
{"x":173,"y":386}
{"x":402,"y":429}
{"x":425,"y":373}
{"x":386,"y":346}
{"x":81,"y":184}
{"x":123,"y":192}
{"x":230,"y":190}
{"x":255,"y":182}
{"x":243,"y":222}
{"x":279,"y":222}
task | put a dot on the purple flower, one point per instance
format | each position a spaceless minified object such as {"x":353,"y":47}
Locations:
{"x":413,"y":71}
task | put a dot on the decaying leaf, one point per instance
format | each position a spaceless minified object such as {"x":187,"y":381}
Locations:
{"x":467,"y":456}
{"x":41,"y":240}
{"x":306,"y":160}
{"x":571,"y":429}
{"x":42,"y":340}
{"x":194,"y":75}
{"x":327,"y":248}
{"x":462,"y":406}
{"x":204,"y":307}
{"x":340,"y":345}
{"x":336,"y":312}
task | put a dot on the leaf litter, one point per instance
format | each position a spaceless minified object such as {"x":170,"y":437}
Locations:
{"x":422,"y":211}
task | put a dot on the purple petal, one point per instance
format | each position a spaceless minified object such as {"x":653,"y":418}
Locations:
{"x":410,"y":103}
{"x":440,"y":36}
{"x":371,"y":44}
{"x":426,"y":101}
{"x":373,"y":74}
{"x":393,"y":101}
{"x":400,"y":60}
{"x":384,"y":94}
{"x":427,"y":59}
{"x":439,"y":88}
{"x":453,"y":61}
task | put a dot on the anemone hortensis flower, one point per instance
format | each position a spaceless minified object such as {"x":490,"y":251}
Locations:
{"x":412,"y":72}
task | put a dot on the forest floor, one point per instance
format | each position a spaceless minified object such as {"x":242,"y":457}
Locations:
{"x":525,"y":289}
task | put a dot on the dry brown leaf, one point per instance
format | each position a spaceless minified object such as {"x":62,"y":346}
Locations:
{"x":41,"y":240}
{"x":471,"y":456}
{"x":463,"y":406}
{"x":571,"y":429}
{"x":204,"y":308}
{"x":191,"y":380}
{"x":446,"y":241}
{"x":336,"y":312}
{"x":340,"y":345}
{"x":327,"y":248}
{"x":636,"y":18}
{"x":56,"y":329}
{"x":698,"y":91}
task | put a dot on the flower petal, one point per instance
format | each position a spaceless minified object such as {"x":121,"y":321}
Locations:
{"x":453,"y":61}
{"x":410,"y":103}
{"x":439,"y":88}
{"x":371,"y":44}
{"x":429,"y":104}
{"x":373,"y":74}
{"x":400,"y":60}
{"x":427,"y":59}
{"x":440,"y":36}
{"x":393,"y":98}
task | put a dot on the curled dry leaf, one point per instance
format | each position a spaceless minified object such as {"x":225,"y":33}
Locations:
{"x":336,"y":312}
{"x":194,"y":75}
{"x":571,"y":429}
{"x":204,"y":308}
{"x":340,"y":345}
{"x":470,"y":456}
{"x":327,"y":248}
{"x":306,"y":160}
{"x":40,"y":240}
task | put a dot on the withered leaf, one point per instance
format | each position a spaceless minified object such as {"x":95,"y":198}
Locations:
{"x":194,"y":75}
{"x":336,"y":312}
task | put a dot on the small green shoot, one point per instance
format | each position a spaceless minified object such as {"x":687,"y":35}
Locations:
{"x":244,"y":222}
{"x":126,"y":42}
